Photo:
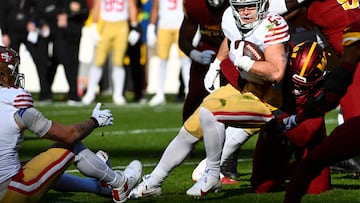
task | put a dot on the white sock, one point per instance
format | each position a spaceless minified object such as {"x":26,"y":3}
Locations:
{"x":92,"y":166}
{"x":94,"y":79}
{"x":118,"y":78}
{"x":214,"y":138}
{"x":185,"y":72}
{"x":234,"y":138}
{"x":174,"y":154}
{"x":161,"y":77}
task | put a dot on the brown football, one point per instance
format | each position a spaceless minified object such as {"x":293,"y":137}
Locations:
{"x":252,"y":50}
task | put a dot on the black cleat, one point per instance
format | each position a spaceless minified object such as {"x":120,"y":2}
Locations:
{"x":229,"y":166}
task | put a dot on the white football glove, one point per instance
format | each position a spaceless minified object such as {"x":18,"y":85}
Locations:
{"x":204,"y":57}
{"x":151,"y":37}
{"x":212,"y":79}
{"x":290,"y":122}
{"x":133,"y":37}
{"x":93,"y":32}
{"x":236,"y":55}
{"x":102,"y":117}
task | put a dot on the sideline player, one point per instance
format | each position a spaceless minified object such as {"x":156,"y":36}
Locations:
{"x":31,"y":181}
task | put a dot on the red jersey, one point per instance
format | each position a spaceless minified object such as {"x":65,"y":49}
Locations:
{"x":332,"y":17}
{"x":208,"y":18}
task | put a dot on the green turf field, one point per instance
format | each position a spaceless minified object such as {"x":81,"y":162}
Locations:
{"x":142,"y":132}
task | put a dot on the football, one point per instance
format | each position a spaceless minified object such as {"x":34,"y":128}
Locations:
{"x":251,"y":50}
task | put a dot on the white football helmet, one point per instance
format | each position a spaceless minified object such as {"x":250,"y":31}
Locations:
{"x":9,"y":63}
{"x":262,"y":7}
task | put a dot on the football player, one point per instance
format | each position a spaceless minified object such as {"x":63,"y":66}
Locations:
{"x":343,"y":142}
{"x":273,"y":151}
{"x":168,"y":16}
{"x":115,"y":18}
{"x":29,"y":181}
{"x":233,"y":106}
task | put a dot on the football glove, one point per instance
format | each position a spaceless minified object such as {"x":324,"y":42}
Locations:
{"x":93,"y":32}
{"x":151,"y":37}
{"x":212,"y":79}
{"x":236,"y":55}
{"x":204,"y":57}
{"x":290,"y":122}
{"x":102,"y":117}
{"x":134,"y":34}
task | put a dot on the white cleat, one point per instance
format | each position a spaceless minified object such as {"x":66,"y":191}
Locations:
{"x":132,"y":175}
{"x":119,"y":100}
{"x":144,"y":189}
{"x":205,"y":185}
{"x":157,"y":100}
{"x":88,"y":99}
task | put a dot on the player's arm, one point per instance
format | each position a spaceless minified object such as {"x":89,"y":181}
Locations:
{"x":187,"y":32}
{"x":154,"y":14}
{"x":273,"y":68}
{"x":133,"y":12}
{"x":96,"y":11}
{"x":32,"y":119}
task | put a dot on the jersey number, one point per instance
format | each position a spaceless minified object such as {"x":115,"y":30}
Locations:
{"x":114,"y":5}
{"x":172,"y":4}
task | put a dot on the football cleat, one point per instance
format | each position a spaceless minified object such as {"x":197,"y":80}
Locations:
{"x":157,"y":100}
{"x":132,"y":175}
{"x":199,"y":171}
{"x":144,"y":189}
{"x":205,"y":185}
{"x":88,"y":99}
{"x":119,"y":100}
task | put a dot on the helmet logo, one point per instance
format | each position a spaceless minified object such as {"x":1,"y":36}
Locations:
{"x":6,"y":57}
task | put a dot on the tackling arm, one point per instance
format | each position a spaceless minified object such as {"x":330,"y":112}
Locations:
{"x":186,"y":35}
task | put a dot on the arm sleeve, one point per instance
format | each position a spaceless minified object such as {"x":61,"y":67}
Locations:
{"x":33,"y":120}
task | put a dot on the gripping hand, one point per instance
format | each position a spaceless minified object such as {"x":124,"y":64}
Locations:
{"x":102,"y":117}
{"x":151,"y":37}
{"x":236,"y":55}
{"x":204,"y":57}
{"x":212,"y":79}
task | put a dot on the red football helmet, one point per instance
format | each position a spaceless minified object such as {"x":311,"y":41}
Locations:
{"x":308,"y":65}
{"x":9,"y":63}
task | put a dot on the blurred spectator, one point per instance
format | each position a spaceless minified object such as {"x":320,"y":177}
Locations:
{"x":167,"y":16}
{"x":77,"y":12}
{"x":114,"y":17}
{"x":135,"y":60}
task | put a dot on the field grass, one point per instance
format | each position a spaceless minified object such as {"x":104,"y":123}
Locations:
{"x":142,"y":132}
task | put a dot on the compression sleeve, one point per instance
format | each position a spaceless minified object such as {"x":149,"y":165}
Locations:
{"x":33,"y":120}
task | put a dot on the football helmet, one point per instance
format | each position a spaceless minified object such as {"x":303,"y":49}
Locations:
{"x":9,"y":63}
{"x":261,"y":11}
{"x":308,"y":66}
{"x":215,"y":3}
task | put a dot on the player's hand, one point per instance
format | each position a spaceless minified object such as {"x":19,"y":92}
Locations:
{"x":236,"y":55}
{"x":93,"y":32}
{"x":290,"y":122}
{"x":212,"y":79}
{"x":204,"y":57}
{"x":151,"y":37}
{"x":134,"y":35}
{"x":102,"y":117}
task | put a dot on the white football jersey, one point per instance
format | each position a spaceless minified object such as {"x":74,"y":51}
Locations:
{"x":114,"y":10}
{"x":11,"y":100}
{"x":170,"y":14}
{"x":273,"y":29}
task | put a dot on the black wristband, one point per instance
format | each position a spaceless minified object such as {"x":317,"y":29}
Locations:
{"x":95,"y":121}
